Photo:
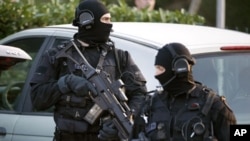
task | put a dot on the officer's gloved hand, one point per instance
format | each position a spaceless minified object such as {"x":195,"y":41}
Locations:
{"x":76,"y":84}
{"x":108,"y":132}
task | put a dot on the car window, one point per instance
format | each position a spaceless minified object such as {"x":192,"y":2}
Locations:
{"x":13,"y":79}
{"x":228,"y":74}
{"x":30,"y":45}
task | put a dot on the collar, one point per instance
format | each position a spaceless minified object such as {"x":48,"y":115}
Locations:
{"x":83,"y":43}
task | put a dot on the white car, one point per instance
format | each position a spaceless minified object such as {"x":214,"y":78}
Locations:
{"x":222,"y":62}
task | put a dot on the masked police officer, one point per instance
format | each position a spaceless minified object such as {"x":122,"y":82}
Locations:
{"x":185,"y":110}
{"x":61,"y":83}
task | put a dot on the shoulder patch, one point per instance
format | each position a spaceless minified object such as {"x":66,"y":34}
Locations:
{"x":223,"y":99}
{"x":51,"y":53}
{"x":55,"y":49}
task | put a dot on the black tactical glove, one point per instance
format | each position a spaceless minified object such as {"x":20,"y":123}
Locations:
{"x":108,"y":131}
{"x":76,"y":84}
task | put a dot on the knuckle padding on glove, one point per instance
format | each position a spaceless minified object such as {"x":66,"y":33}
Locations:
{"x":108,"y":131}
{"x":79,"y":85}
{"x":62,"y":84}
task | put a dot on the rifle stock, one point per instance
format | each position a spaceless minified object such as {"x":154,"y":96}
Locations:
{"x":110,"y":96}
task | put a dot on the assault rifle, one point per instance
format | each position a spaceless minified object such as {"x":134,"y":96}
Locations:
{"x":109,"y":97}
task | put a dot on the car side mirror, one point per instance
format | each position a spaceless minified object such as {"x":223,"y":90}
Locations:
{"x":9,"y":56}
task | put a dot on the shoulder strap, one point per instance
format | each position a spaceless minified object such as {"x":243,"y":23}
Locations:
{"x":117,"y":60}
{"x":101,"y":59}
{"x":209,"y":102}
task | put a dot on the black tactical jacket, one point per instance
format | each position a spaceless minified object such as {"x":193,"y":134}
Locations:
{"x":200,"y":115}
{"x":45,"y":92}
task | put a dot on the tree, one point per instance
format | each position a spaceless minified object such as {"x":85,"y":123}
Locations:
{"x":194,"y":7}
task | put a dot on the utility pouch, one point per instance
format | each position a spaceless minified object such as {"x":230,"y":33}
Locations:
{"x":157,"y":131}
{"x":71,"y":125}
{"x":72,"y":100}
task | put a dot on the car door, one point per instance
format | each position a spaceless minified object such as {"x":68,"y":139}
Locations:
{"x":43,"y":125}
{"x":13,"y":124}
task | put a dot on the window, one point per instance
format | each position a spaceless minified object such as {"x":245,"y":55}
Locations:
{"x":13,"y":79}
{"x":228,"y":74}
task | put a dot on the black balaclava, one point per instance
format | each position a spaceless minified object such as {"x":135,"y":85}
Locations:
{"x":99,"y":32}
{"x":179,"y":84}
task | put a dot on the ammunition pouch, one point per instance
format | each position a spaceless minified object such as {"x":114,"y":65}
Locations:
{"x":70,"y":112}
{"x":74,"y":101}
{"x":71,"y":125}
{"x":70,"y":119}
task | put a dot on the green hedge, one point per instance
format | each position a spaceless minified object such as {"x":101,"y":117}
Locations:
{"x":18,"y":16}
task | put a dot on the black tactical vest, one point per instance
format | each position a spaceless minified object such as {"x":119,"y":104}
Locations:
{"x":192,"y":122}
{"x":70,"y":109}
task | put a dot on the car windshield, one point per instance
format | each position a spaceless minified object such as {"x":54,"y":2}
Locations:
{"x":228,"y":74}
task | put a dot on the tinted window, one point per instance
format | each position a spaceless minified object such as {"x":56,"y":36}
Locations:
{"x":30,"y":45}
{"x":13,"y":79}
{"x":228,"y":74}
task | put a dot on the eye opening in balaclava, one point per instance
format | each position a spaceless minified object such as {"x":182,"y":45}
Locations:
{"x":97,"y":31}
{"x":165,"y":58}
